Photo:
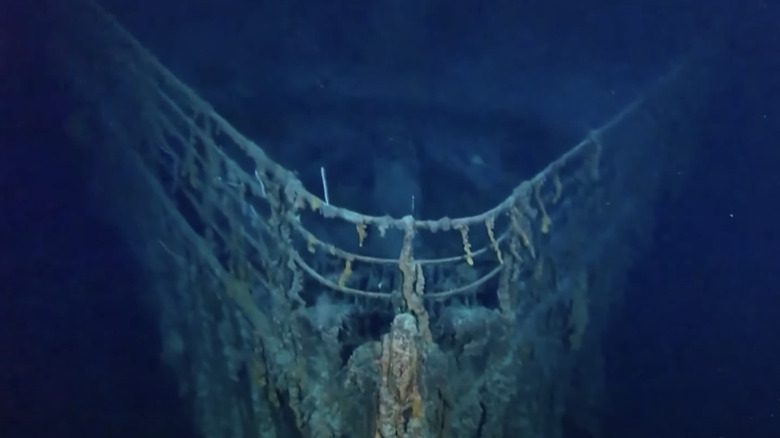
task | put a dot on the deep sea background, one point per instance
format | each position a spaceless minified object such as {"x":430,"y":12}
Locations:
{"x":692,"y":351}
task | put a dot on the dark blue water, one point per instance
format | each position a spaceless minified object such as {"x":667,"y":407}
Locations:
{"x":693,"y":350}
{"x":77,"y":344}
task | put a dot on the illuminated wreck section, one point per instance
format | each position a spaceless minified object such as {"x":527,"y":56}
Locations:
{"x":487,"y":325}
